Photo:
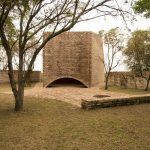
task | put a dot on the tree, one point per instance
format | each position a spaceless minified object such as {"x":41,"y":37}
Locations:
{"x":31,"y":18}
{"x":137,"y":54}
{"x":113,"y":45}
{"x":10,"y":31}
{"x":3,"y":60}
{"x":142,"y":7}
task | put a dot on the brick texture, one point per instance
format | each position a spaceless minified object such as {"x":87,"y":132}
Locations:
{"x":127,"y":80}
{"x":113,"y":102}
{"x":74,"y":55}
{"x":35,"y":76}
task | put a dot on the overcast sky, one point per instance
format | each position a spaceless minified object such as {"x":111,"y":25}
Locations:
{"x":105,"y":24}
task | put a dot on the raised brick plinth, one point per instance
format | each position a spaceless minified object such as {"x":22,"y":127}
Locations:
{"x":113,"y":102}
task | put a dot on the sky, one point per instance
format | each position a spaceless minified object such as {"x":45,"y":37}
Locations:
{"x":106,"y":23}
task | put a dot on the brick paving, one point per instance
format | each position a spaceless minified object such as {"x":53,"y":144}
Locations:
{"x":71,"y":94}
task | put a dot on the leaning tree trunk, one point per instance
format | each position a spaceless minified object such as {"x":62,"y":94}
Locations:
{"x":18,"y":93}
{"x":19,"y":102}
{"x":147,"y":85}
{"x":21,"y":83}
{"x":106,"y":81}
{"x":19,"y":98}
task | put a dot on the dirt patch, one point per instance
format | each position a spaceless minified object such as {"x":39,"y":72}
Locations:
{"x":70,"y":94}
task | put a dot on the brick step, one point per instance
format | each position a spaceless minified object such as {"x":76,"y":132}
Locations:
{"x":113,"y":102}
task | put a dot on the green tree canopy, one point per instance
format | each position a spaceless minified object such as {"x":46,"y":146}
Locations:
{"x":142,"y":7}
{"x":138,"y":53}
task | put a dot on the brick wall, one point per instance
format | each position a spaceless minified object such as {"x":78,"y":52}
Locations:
{"x":97,"y":69}
{"x":113,"y":102}
{"x":71,"y":55}
{"x":35,"y":76}
{"x":127,"y":80}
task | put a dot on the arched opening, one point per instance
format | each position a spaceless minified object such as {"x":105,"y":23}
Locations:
{"x":65,"y":82}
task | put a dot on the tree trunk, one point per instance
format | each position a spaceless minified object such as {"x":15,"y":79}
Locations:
{"x":19,"y":98}
{"x":106,"y":82}
{"x":28,"y":79}
{"x":147,"y":85}
{"x":19,"y":103}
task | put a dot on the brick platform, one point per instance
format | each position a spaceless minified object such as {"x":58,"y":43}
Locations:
{"x":113,"y":102}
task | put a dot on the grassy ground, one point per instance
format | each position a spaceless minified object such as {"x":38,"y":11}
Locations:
{"x":128,"y":90}
{"x":54,"y":125}
{"x":4,"y":88}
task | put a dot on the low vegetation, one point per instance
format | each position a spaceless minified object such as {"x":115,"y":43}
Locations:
{"x":5,"y":88}
{"x":51,"y":124}
{"x":128,"y":90}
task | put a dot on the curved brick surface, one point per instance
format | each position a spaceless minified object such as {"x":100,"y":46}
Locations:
{"x":74,"y":55}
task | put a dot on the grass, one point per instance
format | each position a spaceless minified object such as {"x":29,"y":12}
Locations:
{"x":5,"y":88}
{"x":128,"y":90}
{"x":55,"y":125}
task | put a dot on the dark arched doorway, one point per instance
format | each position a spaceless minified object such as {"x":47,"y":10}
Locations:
{"x":63,"y":82}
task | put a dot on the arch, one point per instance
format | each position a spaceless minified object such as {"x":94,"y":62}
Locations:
{"x":66,"y":81}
